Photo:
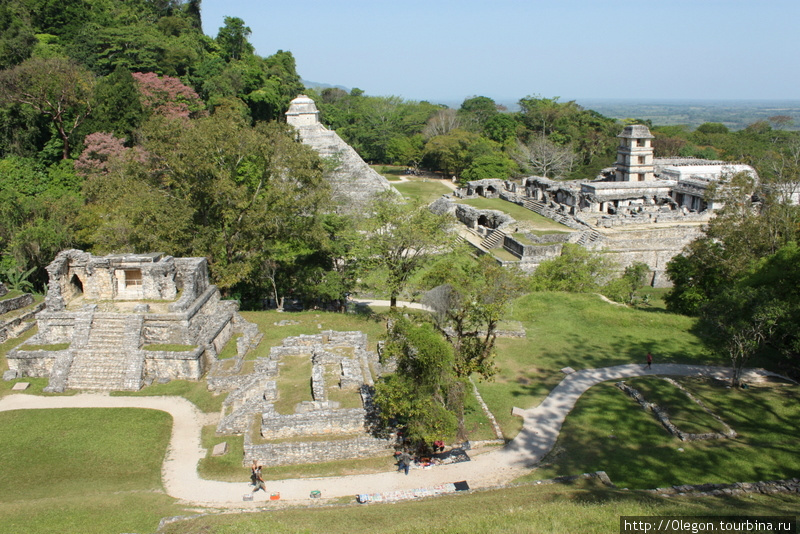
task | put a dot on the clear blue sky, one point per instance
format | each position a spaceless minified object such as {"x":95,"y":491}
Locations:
{"x":448,"y":50}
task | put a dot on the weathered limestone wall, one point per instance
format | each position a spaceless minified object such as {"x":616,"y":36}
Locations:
{"x":254,"y":395}
{"x":532,"y":253}
{"x":313,"y":423}
{"x":300,"y":452}
{"x":58,"y":327}
{"x":185,"y":365}
{"x":37,"y":363}
{"x":15,"y":303}
{"x":473,"y":217}
{"x":114,"y":277}
{"x":654,"y":246}
{"x":13,"y":327}
{"x":354,"y":183}
{"x":106,"y":348}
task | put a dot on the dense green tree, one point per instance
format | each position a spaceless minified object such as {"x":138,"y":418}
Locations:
{"x":490,"y":166}
{"x":501,"y":128}
{"x":476,"y":111}
{"x":470,"y":299}
{"x":38,"y":208}
{"x":779,"y":276}
{"x":625,"y":288}
{"x":218,"y":188}
{"x":736,"y":240}
{"x":450,"y":153}
{"x":406,"y":150}
{"x":400,"y":239}
{"x":17,"y":37}
{"x":416,"y":397}
{"x":23,"y":131}
{"x":56,"y":88}
{"x":591,"y":136}
{"x":712,"y":128}
{"x":232,"y":39}
{"x":576,"y":270}
{"x":116,"y":106}
{"x":738,"y":321}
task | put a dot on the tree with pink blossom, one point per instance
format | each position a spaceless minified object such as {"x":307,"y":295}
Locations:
{"x":167,"y":96}
{"x":102,"y":151}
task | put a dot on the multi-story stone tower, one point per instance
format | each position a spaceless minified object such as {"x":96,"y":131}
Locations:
{"x":635,"y":155}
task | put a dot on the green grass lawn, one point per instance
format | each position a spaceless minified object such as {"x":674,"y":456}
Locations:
{"x":518,"y":213}
{"x":607,"y":430}
{"x":683,"y":412}
{"x":423,"y":190}
{"x":294,"y":382}
{"x":584,"y":508}
{"x":83,"y":470}
{"x":97,"y":491}
{"x":580,"y":331}
{"x":390,"y":172}
{"x":311,"y":322}
{"x":195,"y":392}
{"x":503,"y":254}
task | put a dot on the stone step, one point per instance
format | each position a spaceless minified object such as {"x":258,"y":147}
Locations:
{"x":97,"y":369}
{"x":493,"y":239}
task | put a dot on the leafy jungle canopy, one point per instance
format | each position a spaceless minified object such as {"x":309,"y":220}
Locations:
{"x":124,"y":128}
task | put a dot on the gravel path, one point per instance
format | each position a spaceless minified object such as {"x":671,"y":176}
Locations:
{"x":540,"y":430}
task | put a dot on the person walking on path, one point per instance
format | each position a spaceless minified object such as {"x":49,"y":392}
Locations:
{"x":405,"y":462}
{"x":649,"y":359}
{"x":255,"y":476}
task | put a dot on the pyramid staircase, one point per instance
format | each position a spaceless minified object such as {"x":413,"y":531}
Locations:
{"x":109,"y":356}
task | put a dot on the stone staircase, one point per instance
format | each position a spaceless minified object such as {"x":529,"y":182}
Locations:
{"x":539,"y":207}
{"x":110,"y":359}
{"x":493,"y":239}
{"x":589,"y":237}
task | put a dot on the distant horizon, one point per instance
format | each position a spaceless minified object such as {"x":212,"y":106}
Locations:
{"x":446,"y":50}
{"x":618,"y":100}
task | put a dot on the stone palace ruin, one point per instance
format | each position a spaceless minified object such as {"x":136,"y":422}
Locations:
{"x":644,"y":209}
{"x":104,"y":314}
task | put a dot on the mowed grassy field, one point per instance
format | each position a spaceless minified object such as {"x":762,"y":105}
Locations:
{"x":115,"y":486}
{"x":583,"y":332}
{"x":83,"y":470}
{"x":583,"y":507}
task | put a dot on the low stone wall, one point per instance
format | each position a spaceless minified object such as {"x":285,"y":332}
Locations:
{"x":36,"y":363}
{"x":656,"y":217}
{"x":312,"y":423}
{"x":22,"y":323}
{"x":789,"y":485}
{"x":470,"y":216}
{"x":292,"y":453}
{"x":663,"y":417}
{"x":15,"y":303}
{"x":185,"y":365}
{"x":534,"y":253}
{"x":56,"y":327}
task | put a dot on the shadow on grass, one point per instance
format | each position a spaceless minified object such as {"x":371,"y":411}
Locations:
{"x":609,"y":431}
